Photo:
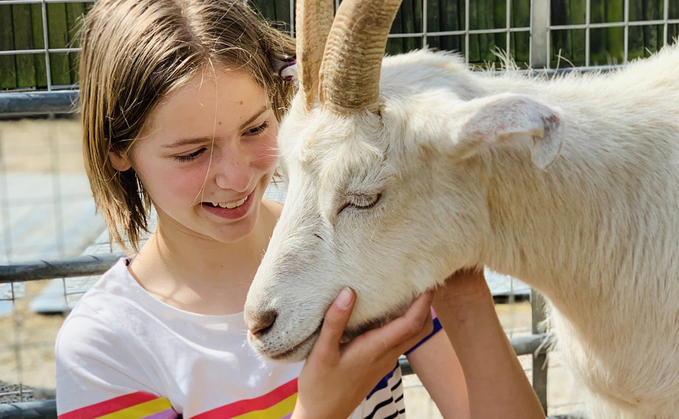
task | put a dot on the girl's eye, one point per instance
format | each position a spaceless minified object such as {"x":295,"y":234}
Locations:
{"x":190,"y":157}
{"x":257,"y":130}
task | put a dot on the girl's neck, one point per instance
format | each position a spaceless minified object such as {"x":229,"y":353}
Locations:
{"x":201,"y":275}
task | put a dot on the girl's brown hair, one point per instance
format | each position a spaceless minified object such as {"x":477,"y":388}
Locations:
{"x":136,"y":51}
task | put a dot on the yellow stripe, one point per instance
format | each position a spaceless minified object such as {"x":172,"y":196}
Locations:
{"x":140,"y":410}
{"x":276,"y":411}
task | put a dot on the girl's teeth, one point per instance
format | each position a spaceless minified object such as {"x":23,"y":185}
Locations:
{"x":229,"y":205}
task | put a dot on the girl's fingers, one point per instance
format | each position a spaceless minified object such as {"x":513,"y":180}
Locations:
{"x":427,"y":328}
{"x":334,"y":323}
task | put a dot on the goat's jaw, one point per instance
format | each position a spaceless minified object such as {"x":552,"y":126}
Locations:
{"x":296,"y":353}
{"x":300,"y":351}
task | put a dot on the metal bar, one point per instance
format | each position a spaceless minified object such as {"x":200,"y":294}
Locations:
{"x":525,"y":345}
{"x":38,"y":51}
{"x":424,"y":23}
{"x":17,"y":349}
{"x":38,"y":102}
{"x":548,"y":35}
{"x":66,"y":268}
{"x":45,"y":36}
{"x":452,"y":33}
{"x":508,"y":24}
{"x":466,"y":31}
{"x":56,"y":192}
{"x":666,"y":18}
{"x":539,"y":24}
{"x":46,"y":409}
{"x":594,"y":68}
{"x":9,"y":2}
{"x":588,"y":21}
{"x":626,"y":35}
{"x":4,"y":204}
{"x":539,"y":357}
{"x":613,"y":24}
{"x":529,"y":345}
{"x":292,"y":18}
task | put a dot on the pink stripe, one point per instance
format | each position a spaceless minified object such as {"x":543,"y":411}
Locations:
{"x":250,"y":405}
{"x":165,"y":414}
{"x":109,"y":406}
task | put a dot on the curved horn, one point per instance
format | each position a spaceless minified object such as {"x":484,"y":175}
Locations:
{"x":350,"y":71}
{"x":314,"y":19}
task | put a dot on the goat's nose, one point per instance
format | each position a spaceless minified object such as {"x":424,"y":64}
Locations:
{"x":261,"y":322}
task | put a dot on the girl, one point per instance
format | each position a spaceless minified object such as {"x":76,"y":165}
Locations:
{"x":180,"y":106}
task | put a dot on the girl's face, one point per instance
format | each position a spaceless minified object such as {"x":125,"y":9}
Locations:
{"x":207,"y":155}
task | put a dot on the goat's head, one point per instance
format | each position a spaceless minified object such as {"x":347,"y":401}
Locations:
{"x":372,"y":190}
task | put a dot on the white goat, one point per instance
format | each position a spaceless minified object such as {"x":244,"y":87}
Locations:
{"x":397,"y":181}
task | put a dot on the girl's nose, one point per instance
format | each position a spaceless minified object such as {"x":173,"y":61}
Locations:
{"x":233,"y":171}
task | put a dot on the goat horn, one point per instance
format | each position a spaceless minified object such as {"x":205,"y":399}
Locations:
{"x":350,"y":71}
{"x":314,"y":19}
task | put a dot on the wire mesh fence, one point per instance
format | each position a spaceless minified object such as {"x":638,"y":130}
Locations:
{"x":46,"y":209}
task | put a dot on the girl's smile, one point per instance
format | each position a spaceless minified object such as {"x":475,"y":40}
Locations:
{"x":232,"y":210}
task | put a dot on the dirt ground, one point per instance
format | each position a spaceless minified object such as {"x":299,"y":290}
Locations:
{"x":27,"y":339}
{"x":41,"y":145}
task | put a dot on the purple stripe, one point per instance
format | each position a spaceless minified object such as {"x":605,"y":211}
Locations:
{"x":165,"y":414}
{"x":288,"y":416}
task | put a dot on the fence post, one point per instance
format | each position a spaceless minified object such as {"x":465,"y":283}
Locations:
{"x":539,"y":23}
{"x":537,"y":302}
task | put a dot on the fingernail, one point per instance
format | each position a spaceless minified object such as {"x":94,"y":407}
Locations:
{"x":344,"y":299}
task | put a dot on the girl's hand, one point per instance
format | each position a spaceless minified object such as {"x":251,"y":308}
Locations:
{"x":335,"y":380}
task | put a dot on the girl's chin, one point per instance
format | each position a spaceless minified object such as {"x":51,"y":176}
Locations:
{"x":237,"y":230}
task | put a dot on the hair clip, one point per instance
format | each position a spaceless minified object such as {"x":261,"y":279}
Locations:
{"x":286,"y":70}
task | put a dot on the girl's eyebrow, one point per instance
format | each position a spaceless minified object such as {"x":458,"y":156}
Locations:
{"x":198,"y":140}
{"x":188,"y":141}
{"x":254,"y":117}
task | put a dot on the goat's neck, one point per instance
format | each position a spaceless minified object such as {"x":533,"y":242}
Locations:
{"x":589,"y":224}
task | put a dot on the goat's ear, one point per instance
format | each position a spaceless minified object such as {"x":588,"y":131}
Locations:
{"x":507,"y":119}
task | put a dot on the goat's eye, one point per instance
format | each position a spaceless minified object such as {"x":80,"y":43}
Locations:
{"x":361,"y":202}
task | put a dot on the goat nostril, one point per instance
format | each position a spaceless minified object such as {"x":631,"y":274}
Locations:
{"x":262,"y":323}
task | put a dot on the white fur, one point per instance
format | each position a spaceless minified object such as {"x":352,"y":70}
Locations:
{"x":457,"y":157}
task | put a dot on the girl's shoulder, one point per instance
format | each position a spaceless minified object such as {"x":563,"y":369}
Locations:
{"x":103,"y":303}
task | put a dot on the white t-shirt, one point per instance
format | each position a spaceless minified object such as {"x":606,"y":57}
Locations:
{"x":125,"y":354}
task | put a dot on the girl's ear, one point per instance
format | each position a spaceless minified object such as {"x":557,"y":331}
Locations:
{"x":510,"y":119}
{"x":119,"y":162}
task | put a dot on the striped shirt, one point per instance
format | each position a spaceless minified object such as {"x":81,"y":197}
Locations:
{"x":122,"y":353}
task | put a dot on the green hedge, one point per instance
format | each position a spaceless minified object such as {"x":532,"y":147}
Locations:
{"x":21,"y":28}
{"x":607,"y":45}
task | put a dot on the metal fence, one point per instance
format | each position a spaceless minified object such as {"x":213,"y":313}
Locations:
{"x":583,"y":36}
{"x":41,"y":50}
